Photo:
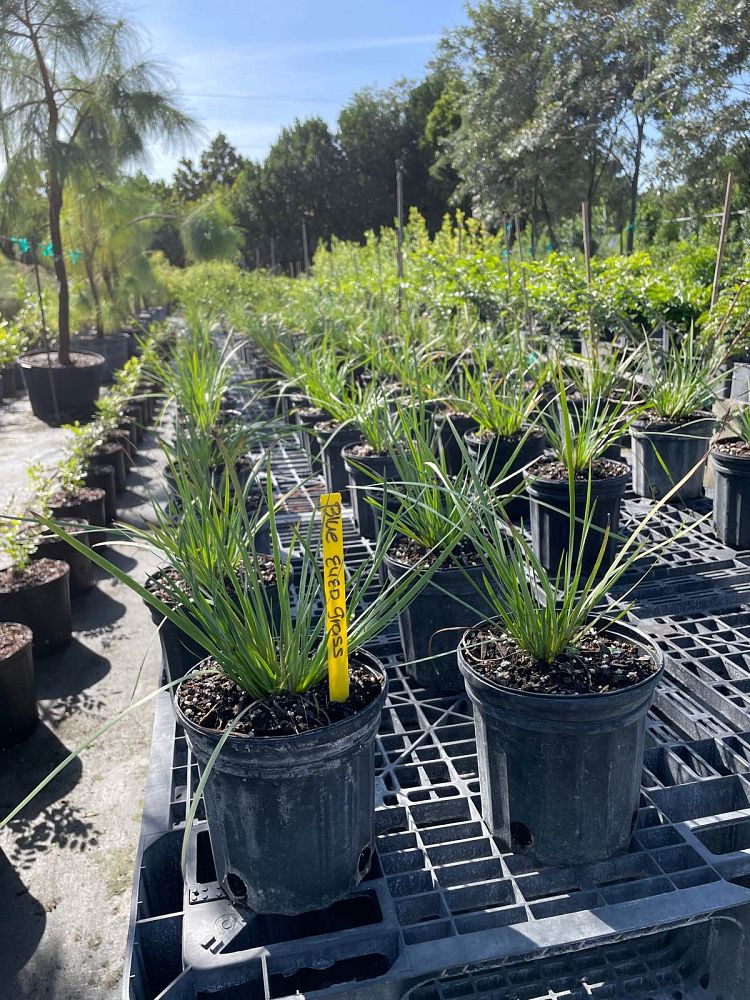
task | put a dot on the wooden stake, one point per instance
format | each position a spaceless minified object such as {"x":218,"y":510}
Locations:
{"x":586,"y":216}
{"x":305,"y":251}
{"x":273,"y":255}
{"x":722,"y":239}
{"x":400,"y":227}
{"x":529,"y":317}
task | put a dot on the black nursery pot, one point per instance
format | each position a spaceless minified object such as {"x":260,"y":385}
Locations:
{"x":451,"y":428}
{"x":102,"y":477}
{"x":179,"y":652}
{"x":432,"y":624}
{"x":677,"y":446}
{"x":332,"y":444}
{"x":550,"y":519}
{"x":499,"y":451}
{"x":18,"y":711}
{"x":731,"y":499}
{"x":44,"y":607}
{"x":81,"y":567}
{"x":291,"y":818}
{"x":62,"y":394}
{"x":112,"y":453}
{"x":365,"y":474}
{"x":560,"y":775}
{"x":85,"y":505}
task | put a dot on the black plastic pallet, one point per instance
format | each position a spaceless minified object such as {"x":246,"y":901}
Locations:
{"x":445,"y":913}
{"x":442,"y":895}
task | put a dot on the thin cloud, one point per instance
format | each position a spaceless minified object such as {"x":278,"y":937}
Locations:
{"x":323,"y":47}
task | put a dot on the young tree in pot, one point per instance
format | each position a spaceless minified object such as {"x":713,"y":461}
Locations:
{"x":75,"y":100}
{"x":430,"y":531}
{"x":576,"y":482}
{"x":33,"y":592}
{"x":560,"y":691}
{"x":509,"y":436}
{"x":731,"y":466}
{"x":67,"y":495}
{"x":271,"y":743}
{"x":674,"y":432}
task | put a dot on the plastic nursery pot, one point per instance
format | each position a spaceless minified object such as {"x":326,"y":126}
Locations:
{"x":550,"y":518}
{"x":86,"y":504}
{"x":497,"y":452}
{"x":81,"y":567}
{"x":451,"y":428}
{"x":560,"y":775}
{"x":332,"y":439}
{"x":366,"y":471}
{"x":664,"y":452}
{"x":18,"y":711}
{"x":179,"y":652}
{"x":122,"y":438}
{"x":8,"y":375}
{"x":432,"y":624}
{"x":102,"y":477}
{"x":731,"y":496}
{"x":135,"y":412}
{"x":112,"y":453}
{"x":306,"y":418}
{"x":40,"y":598}
{"x":61,"y":394}
{"x":291,"y":818}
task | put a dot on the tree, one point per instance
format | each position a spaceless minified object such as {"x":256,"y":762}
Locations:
{"x":219,"y":166}
{"x":74,"y":98}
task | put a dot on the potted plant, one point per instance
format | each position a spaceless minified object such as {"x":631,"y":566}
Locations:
{"x":730,"y":458}
{"x":368,"y":461}
{"x":429,"y":531}
{"x":673,"y":433}
{"x":270,"y":740}
{"x":576,"y":482}
{"x":507,"y":438}
{"x":18,"y":710}
{"x":560,"y":690}
{"x":34,"y":592}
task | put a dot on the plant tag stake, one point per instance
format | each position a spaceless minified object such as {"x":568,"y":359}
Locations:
{"x":335,"y":592}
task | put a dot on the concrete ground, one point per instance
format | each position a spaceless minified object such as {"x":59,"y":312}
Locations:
{"x":66,"y":862}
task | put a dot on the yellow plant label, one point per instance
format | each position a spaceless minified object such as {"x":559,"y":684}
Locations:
{"x":335,"y":592}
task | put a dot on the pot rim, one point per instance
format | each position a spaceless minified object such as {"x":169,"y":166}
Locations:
{"x":605,"y":622}
{"x":720,"y":456}
{"x":22,"y":361}
{"x":528,"y":432}
{"x":273,"y":742}
{"x":564,"y":484}
{"x":28,"y":641}
{"x":660,"y":424}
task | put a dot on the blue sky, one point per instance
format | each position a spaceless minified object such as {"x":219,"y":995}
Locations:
{"x":249,"y":68}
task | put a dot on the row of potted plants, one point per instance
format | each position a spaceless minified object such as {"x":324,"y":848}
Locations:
{"x":560,"y":690}
{"x":42,"y":570}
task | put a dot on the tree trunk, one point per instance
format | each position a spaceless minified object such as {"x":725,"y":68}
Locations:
{"x":55,"y":198}
{"x":640,"y":124}
{"x":95,"y":296}
{"x":548,"y":221}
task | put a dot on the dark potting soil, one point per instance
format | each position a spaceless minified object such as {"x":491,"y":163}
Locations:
{"x":596,"y":665}
{"x":76,"y":360}
{"x":67,"y":498}
{"x":108,"y":448}
{"x":213,"y":702}
{"x":327,"y":426}
{"x":485,"y":434}
{"x":38,"y":571}
{"x":409,"y":552}
{"x":13,"y":637}
{"x":158,"y":584}
{"x":253,"y":500}
{"x":551,"y":469}
{"x":308,"y":412}
{"x":266,"y":569}
{"x":647,"y":422}
{"x":364,"y":450}
{"x":735,"y":449}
